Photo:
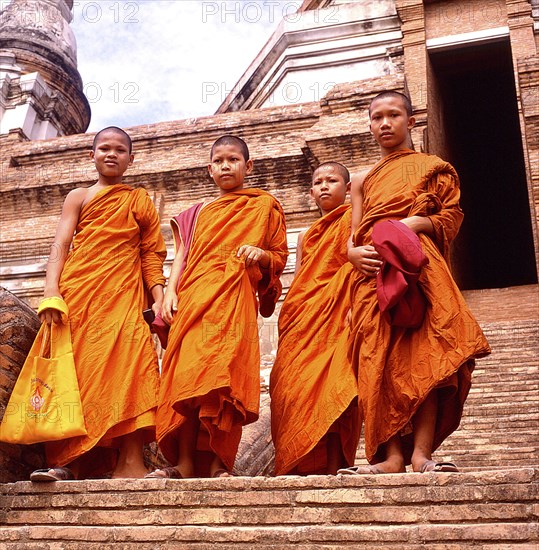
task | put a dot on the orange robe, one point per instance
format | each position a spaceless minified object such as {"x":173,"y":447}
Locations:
{"x":312,"y":382}
{"x":117,"y":254}
{"x":397,"y":367}
{"x":212,"y":360}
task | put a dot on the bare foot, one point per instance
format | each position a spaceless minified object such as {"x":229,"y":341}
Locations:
{"x":218,"y":469}
{"x":390,"y":466}
{"x":393,"y":465}
{"x":168,"y":472}
{"x":221,"y":472}
{"x":129,"y":473}
{"x":433,"y":466}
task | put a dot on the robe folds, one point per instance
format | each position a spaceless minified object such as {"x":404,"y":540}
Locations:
{"x":312,"y":385}
{"x":117,"y":256}
{"x":212,"y":361}
{"x":399,"y":367}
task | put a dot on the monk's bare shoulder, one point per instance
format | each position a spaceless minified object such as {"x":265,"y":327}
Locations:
{"x":79,"y":197}
{"x":357,"y":180}
{"x":75,"y":198}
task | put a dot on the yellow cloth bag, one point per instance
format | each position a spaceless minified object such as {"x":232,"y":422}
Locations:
{"x":45,"y":404}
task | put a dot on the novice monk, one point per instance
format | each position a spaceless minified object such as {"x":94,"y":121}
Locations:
{"x":314,"y":415}
{"x":236,"y":249}
{"x":415,"y":360}
{"x":117,"y":255}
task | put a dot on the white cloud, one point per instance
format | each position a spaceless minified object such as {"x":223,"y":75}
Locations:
{"x":145,"y":61}
{"x":148,"y":61}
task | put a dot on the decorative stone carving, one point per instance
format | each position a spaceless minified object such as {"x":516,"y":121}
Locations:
{"x":37,"y":45}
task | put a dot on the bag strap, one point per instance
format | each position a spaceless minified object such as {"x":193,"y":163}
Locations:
{"x":45,"y":341}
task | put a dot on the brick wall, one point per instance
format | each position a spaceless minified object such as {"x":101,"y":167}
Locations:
{"x":451,"y":17}
{"x":171,"y":163}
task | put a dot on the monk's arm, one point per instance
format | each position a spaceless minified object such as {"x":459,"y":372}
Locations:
{"x":419,"y":224}
{"x":158,"y":297}
{"x":152,"y":246}
{"x":60,"y":249}
{"x":273,"y":257}
{"x":299,"y":251}
{"x":447,"y":221}
{"x":356,"y":198}
{"x":365,"y":258}
{"x":270,"y":287}
{"x":170,"y":300}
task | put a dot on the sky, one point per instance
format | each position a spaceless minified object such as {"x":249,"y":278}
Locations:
{"x":148,"y":61}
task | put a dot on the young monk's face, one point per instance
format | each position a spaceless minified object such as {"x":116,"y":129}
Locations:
{"x":328,"y":188}
{"x":111,"y":154}
{"x":390,"y":124}
{"x":228,"y":168}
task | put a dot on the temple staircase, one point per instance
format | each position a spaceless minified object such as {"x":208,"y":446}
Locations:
{"x":493,"y":503}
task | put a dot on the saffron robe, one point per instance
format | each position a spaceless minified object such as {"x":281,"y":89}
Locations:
{"x":312,"y":383}
{"x":212,"y":361}
{"x":399,"y":367}
{"x":117,"y":256}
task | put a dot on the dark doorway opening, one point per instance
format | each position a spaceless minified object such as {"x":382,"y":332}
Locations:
{"x":477,"y":96}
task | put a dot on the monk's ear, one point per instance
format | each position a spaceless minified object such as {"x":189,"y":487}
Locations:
{"x":348,"y":186}
{"x":311,"y":192}
{"x":210,"y":171}
{"x":411,"y":122}
{"x":249,"y":167}
{"x":92,"y":155}
{"x":131,"y":159}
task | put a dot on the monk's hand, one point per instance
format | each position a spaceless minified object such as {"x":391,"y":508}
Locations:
{"x":157,"y":307}
{"x":51,"y":315}
{"x":366,"y":259}
{"x":253,"y":255}
{"x":158,"y":295}
{"x":170,"y":306}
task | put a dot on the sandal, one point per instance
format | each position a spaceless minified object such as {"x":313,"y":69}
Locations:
{"x":221,"y":472}
{"x":169,"y":472}
{"x":52,"y":474}
{"x":432,"y":466}
{"x":359,"y":470}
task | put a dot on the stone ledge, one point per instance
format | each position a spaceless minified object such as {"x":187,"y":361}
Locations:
{"x":485,"y":510}
{"x":416,"y":534}
{"x":521,"y":475}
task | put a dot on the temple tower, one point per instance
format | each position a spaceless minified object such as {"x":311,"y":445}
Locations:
{"x":41,"y":92}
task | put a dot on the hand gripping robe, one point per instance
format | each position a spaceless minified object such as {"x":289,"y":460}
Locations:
{"x":399,"y":367}
{"x":212,"y":361}
{"x":313,"y":386}
{"x":117,"y":255}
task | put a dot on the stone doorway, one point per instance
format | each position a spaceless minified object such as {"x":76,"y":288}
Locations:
{"x":476,"y":104}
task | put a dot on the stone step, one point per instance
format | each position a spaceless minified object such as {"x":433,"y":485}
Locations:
{"x":494,"y":536}
{"x":526,"y":426}
{"x":505,"y":409}
{"x":514,"y":375}
{"x":513,"y":399}
{"x":487,"y":509}
{"x":460,"y":440}
{"x":518,"y":381}
{"x":473,"y":459}
{"x":503,"y":389}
